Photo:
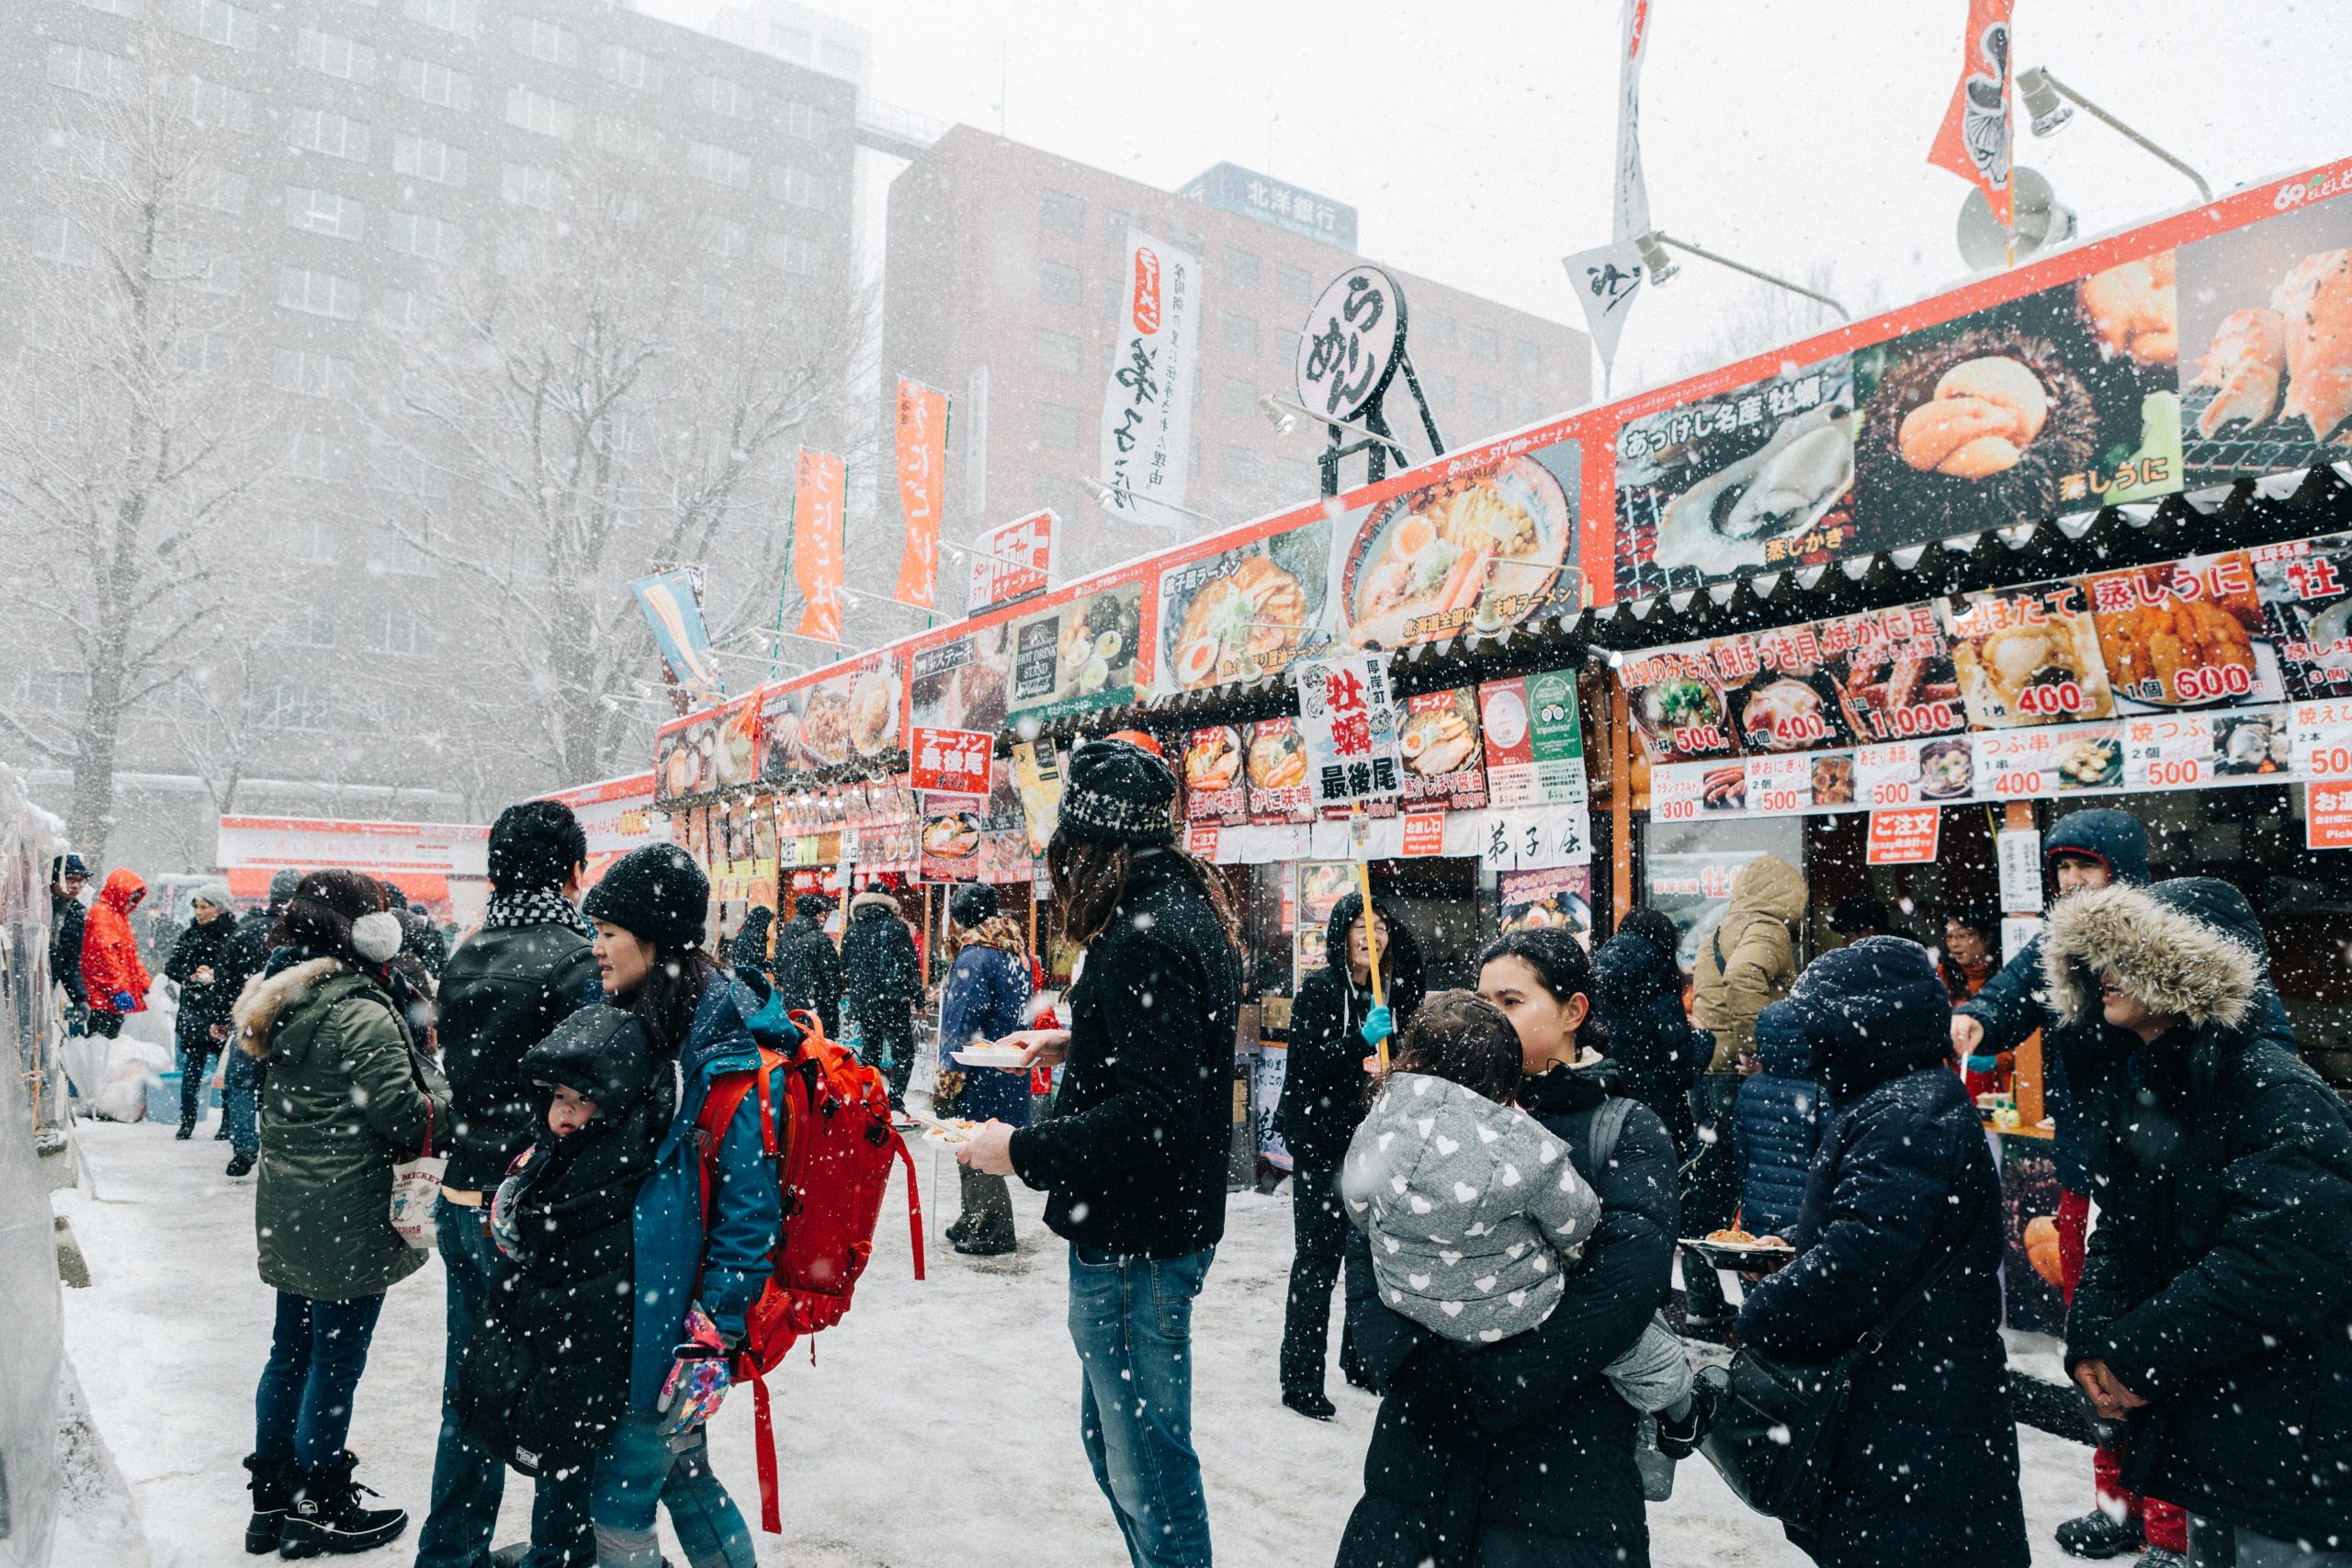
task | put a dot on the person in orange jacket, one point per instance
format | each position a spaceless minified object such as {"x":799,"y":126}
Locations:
{"x":117,"y":982}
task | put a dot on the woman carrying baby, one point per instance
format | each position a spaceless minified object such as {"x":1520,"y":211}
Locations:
{"x":1518,"y":1448}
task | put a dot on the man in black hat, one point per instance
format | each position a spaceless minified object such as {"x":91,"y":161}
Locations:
{"x":808,"y":965}
{"x":241,"y":1072}
{"x":67,"y":877}
{"x":1134,"y":1154}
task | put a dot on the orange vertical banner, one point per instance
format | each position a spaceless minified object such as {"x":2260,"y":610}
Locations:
{"x":923,"y":468}
{"x":1974,"y":141}
{"x":817,"y":543}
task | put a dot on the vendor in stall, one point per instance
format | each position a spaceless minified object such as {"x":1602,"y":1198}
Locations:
{"x":1972,"y":941}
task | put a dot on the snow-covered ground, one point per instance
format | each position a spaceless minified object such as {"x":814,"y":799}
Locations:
{"x":938,"y":1425}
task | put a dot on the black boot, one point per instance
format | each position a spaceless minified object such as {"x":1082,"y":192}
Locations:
{"x":267,"y":1483}
{"x":222,"y":1136}
{"x":187,"y":1129}
{"x":325,"y":1515}
{"x":2098,"y":1534}
{"x":240,"y":1162}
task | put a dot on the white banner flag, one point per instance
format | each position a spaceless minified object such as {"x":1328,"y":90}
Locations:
{"x":1147,"y":406}
{"x":1607,"y":280}
{"x":1633,"y":218}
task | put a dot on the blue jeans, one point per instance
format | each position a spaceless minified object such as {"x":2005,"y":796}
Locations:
{"x":638,"y":1469}
{"x":317,"y":1351}
{"x":469,"y":1482}
{"x":241,"y":1099}
{"x":1131,"y":1319}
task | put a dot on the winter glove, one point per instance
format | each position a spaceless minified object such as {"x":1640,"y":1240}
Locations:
{"x":1984,"y":1064}
{"x":699,"y":1378}
{"x":123,"y":1001}
{"x":1378,"y":1025}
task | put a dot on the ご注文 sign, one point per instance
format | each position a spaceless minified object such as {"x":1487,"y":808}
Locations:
{"x":1347,"y":716}
{"x":1904,"y":838}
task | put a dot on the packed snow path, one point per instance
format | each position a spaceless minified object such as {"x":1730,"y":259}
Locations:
{"x":938,"y":1425}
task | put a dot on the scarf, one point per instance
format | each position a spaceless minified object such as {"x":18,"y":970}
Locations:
{"x":543,"y":907}
{"x":997,"y":932}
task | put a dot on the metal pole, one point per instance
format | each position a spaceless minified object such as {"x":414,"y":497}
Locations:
{"x":2203,"y":190}
{"x":1688,"y":248}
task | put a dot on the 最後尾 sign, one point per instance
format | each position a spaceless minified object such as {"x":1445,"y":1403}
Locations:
{"x":1148,"y":403}
{"x":1352,"y":344}
{"x":1347,"y":716}
{"x":1012,"y":560}
{"x":953,"y":761}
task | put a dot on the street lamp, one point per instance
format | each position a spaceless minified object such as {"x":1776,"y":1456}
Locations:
{"x":1107,"y":497}
{"x":2047,"y":100}
{"x":1652,"y":253}
{"x":1284,"y":414}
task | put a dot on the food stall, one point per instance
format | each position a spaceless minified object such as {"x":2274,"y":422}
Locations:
{"x":1885,"y":603}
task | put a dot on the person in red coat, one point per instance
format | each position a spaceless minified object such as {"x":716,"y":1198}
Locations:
{"x":117,"y":982}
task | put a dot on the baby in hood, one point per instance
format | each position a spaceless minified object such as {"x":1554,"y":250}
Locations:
{"x":1474,"y":1213}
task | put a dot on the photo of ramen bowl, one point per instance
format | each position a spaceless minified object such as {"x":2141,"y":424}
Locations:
{"x":1436,"y":560}
{"x":1440,"y":741}
{"x":1278,"y":760}
{"x":1247,"y":614}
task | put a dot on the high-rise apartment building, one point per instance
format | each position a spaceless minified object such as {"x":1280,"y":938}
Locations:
{"x":1002,"y":285}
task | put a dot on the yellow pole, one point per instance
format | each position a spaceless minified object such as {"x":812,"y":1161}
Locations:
{"x":1371,"y":945}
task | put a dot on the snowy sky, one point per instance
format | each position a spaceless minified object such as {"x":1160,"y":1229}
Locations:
{"x":1474,"y":138}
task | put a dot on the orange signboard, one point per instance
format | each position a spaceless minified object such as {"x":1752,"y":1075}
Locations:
{"x":1904,"y":838}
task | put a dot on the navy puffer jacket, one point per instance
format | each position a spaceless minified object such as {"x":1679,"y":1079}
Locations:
{"x":1637,"y":1001}
{"x":1928,"y":1471}
{"x":1781,"y":1112}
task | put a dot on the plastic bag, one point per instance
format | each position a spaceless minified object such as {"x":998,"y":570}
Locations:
{"x":417,"y":1191}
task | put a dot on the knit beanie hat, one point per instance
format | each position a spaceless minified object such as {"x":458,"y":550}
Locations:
{"x":282,"y":886}
{"x":657,"y":893}
{"x":971,"y":904}
{"x":217,"y":894}
{"x":1120,"y":794}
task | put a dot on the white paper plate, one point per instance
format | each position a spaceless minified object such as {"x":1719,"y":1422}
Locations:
{"x":990,"y":1055}
{"x":945,"y":1140}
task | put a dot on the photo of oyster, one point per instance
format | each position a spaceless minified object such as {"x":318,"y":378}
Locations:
{"x":1721,"y":523}
{"x":1973,"y":431}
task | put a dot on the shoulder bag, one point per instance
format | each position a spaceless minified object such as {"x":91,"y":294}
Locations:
{"x":1777,"y":1423}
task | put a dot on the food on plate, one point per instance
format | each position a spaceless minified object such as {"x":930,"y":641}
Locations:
{"x":2314,"y":300}
{"x":2034,"y":672}
{"x":2256,"y":743}
{"x":1984,"y":413}
{"x":1833,"y":781}
{"x":1278,"y":760}
{"x":1731,"y":1236}
{"x":1780,"y":489}
{"x":1783,"y":715}
{"x":2135,"y":310}
{"x":874,"y":713}
{"x":1891,"y":691}
{"x":2244,"y":365}
{"x":1947,"y":769}
{"x":784,"y":741}
{"x":1680,"y":702}
{"x":2162,"y":637}
{"x":679,"y":771}
{"x":1213,"y":761}
{"x":1442,"y":551}
{"x":824,"y":728}
{"x":1235,"y":621}
{"x":1725,"y":788}
{"x":2091,"y":762}
{"x":955,"y":836}
{"x":1437,"y":741}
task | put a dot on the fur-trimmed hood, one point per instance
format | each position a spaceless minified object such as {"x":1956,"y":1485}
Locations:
{"x":874,"y":898}
{"x":2191,"y":947}
{"x":267,"y":999}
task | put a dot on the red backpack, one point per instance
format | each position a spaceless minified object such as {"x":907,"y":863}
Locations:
{"x":837,"y":1148}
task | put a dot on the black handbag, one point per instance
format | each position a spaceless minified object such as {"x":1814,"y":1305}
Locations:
{"x":1774,"y":1433}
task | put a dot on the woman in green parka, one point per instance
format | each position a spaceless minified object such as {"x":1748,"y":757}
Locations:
{"x":349,"y":1093}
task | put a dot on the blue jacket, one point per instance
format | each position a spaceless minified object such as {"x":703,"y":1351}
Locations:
{"x":1780,"y":1112}
{"x":984,"y":998}
{"x":673,"y":1243}
{"x":1637,"y":1001}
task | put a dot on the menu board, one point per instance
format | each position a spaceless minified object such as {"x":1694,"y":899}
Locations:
{"x":1276,"y":769}
{"x":1892,"y":672}
{"x":2306,"y":590}
{"x":1243,"y":612}
{"x":953,"y":833}
{"x":961,"y":683}
{"x":1558,"y":897}
{"x":2184,"y":633}
{"x":1037,"y":779}
{"x":1215,"y":789}
{"x":1078,"y":655}
{"x":716,"y":749}
{"x":2027,"y":656}
{"x":1678,"y":703}
{"x":850,"y":715}
{"x":1439,"y":742}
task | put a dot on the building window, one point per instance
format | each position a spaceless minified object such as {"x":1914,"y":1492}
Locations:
{"x":1526,"y":358}
{"x":1060,"y":285}
{"x":1058,"y":352}
{"x":719,"y":165}
{"x":318,"y":293}
{"x":114,"y":8}
{"x":431,"y":83}
{"x":798,"y":187}
{"x":324,"y":130}
{"x":1062,"y":214}
{"x":544,"y":40}
{"x":74,"y":153}
{"x":529,"y":185}
{"x":314,"y":628}
{"x":313,"y":457}
{"x":1486,"y":409}
{"x":333,"y":54}
{"x":1240,"y":269}
{"x":216,"y":21}
{"x":1293,"y":285}
{"x":58,"y":240}
{"x":627,"y":67}
{"x":210,"y":186}
{"x":1238,"y":466}
{"x":1440,"y":325}
{"x":206,"y":270}
{"x":1116,"y":225}
{"x":396,"y":630}
{"x":324,"y":212}
{"x":1485,"y":346}
{"x":314,"y":540}
{"x":211,"y":103}
{"x":291,"y":704}
{"x":449,"y":16}
{"x":395,"y":555}
{"x":1286,"y":345}
{"x":795,"y":255}
{"x":527,"y":111}
{"x":1058,"y":426}
{"x":1241,"y":333}
{"x":1526,"y":408}
{"x":427,"y":159}
{"x":421,"y":234}
{"x":1236,"y":395}
{"x":1441,"y":393}
{"x":728,"y":239}
{"x":806,"y":121}
{"x":629,"y":138}
{"x":83,"y":70}
{"x":309,"y":374}
{"x":198,"y":352}
{"x":724,"y":94}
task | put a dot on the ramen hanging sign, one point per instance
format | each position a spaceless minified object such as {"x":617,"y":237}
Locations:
{"x":1354,"y":338}
{"x":1347,"y":716}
